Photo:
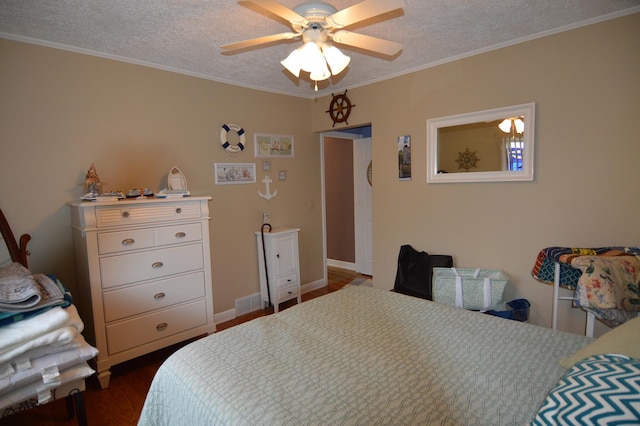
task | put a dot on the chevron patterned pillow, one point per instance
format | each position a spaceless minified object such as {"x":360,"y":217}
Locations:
{"x":599,"y":390}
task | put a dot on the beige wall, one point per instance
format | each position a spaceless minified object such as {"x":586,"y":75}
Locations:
{"x":339,"y":201}
{"x":585,"y":84}
{"x":61,"y":111}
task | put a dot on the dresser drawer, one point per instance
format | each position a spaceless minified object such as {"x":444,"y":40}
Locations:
{"x":157,"y":325}
{"x":121,"y":241}
{"x":126,"y":302}
{"x":286,"y":281}
{"x":149,"y":265}
{"x":125,"y":214}
{"x":178,"y":234}
{"x":288,"y":293}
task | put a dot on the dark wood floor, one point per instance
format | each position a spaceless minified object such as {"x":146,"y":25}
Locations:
{"x":121,"y":403}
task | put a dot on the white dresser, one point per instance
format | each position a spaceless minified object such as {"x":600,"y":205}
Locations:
{"x":144,"y":275}
{"x":282,"y":265}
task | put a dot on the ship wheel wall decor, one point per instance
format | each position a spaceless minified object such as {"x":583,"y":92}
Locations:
{"x":340,"y":108}
{"x":467,"y":160}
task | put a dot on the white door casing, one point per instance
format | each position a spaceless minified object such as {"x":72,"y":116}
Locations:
{"x":363,"y":210}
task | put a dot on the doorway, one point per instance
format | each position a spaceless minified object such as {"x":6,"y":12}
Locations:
{"x":346,"y":199}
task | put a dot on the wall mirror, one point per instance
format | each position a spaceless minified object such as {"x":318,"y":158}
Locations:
{"x":484,"y":146}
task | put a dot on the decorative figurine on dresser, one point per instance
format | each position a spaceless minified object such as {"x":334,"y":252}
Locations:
{"x":144,"y":274}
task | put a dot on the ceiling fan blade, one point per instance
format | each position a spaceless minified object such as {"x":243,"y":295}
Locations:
{"x":361,"y":11}
{"x":366,"y":42}
{"x":282,"y":11}
{"x":260,"y":40}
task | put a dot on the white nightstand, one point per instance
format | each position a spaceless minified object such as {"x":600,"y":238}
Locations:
{"x":282,"y":265}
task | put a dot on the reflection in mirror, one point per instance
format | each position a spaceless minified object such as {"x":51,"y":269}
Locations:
{"x":484,"y":146}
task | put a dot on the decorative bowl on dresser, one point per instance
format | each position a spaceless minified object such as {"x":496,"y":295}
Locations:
{"x":144,"y":275}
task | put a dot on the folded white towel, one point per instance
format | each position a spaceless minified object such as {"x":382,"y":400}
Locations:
{"x":14,"y":334}
{"x":59,"y":336}
{"x":37,"y":391}
{"x":40,"y":330}
{"x":61,"y":360}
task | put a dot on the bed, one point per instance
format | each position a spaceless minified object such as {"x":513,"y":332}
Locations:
{"x":367,"y":356}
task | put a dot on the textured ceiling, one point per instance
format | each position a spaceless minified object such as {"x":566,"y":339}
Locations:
{"x":185,"y":35}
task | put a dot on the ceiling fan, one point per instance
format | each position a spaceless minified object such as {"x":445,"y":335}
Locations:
{"x":317,"y":23}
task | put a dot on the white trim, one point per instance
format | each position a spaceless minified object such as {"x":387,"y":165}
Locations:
{"x":341,"y":264}
{"x":315,"y":285}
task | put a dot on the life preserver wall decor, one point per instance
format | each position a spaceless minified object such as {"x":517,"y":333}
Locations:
{"x":234,"y":149}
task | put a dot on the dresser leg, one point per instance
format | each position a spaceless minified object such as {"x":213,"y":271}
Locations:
{"x":104,"y":377}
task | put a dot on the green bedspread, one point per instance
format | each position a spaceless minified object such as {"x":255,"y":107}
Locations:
{"x":362,"y":356}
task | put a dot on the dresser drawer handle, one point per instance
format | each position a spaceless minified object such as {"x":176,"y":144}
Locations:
{"x":159,"y":296}
{"x":162,"y":326}
{"x":128,"y":241}
{"x":157,"y":265}
{"x":125,"y":214}
{"x":180,"y":235}
{"x":178,"y":210}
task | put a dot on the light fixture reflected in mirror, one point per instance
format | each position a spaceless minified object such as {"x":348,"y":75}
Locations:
{"x":512,"y":125}
{"x":316,"y":57}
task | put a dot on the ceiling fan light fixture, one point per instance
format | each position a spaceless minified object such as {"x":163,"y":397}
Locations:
{"x":337,"y":60}
{"x":311,"y":57}
{"x":293,"y":62}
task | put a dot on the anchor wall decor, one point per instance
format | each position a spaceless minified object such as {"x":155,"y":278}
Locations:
{"x":267,"y":181}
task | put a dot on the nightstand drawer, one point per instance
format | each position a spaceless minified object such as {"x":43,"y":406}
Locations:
{"x":134,"y":267}
{"x":286,"y":281}
{"x":148,"y":328}
{"x":142,"y":298}
{"x":288,"y":293}
{"x":178,"y":234}
{"x":122,"y":241}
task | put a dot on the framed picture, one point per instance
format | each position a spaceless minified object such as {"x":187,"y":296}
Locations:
{"x":404,"y":157}
{"x":234,"y":173}
{"x":273,"y":145}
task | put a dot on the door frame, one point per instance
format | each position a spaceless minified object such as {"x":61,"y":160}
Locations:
{"x":340,"y":135}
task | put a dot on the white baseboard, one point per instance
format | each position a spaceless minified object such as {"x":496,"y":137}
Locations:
{"x":224,"y":316}
{"x":341,"y":264}
{"x":252,"y":302}
{"x":306,"y":288}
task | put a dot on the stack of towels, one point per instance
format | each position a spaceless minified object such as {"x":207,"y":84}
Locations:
{"x":41,"y":347}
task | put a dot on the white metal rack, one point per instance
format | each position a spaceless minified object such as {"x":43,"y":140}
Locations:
{"x":590,"y":325}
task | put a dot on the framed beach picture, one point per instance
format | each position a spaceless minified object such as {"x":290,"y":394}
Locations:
{"x":273,"y":145}
{"x":234,"y":173}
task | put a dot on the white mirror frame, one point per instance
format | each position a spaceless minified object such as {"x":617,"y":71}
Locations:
{"x":526,"y":174}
